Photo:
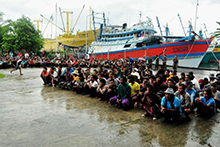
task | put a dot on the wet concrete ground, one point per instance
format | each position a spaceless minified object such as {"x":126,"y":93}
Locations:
{"x":34,"y":115}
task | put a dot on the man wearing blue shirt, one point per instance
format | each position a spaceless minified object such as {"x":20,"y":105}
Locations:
{"x":206,"y":104}
{"x":190,"y":91}
{"x":170,"y":107}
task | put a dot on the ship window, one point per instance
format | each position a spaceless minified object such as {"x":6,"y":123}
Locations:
{"x":139,"y":44}
{"x":127,"y":45}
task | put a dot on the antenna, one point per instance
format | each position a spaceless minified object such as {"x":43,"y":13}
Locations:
{"x":196,"y":17}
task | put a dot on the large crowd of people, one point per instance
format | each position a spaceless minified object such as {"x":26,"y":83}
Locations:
{"x":128,"y":83}
{"x":133,"y":84}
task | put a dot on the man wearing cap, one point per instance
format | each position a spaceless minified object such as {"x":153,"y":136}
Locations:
{"x":75,"y":77}
{"x":212,"y":78}
{"x":170,"y":107}
{"x":190,"y":91}
{"x":185,"y":100}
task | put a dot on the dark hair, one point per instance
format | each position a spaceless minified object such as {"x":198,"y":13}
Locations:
{"x":209,"y":93}
{"x":45,"y":67}
{"x":103,"y":81}
{"x":131,"y":77}
{"x":184,"y":86}
{"x":124,"y":78}
{"x":95,"y":77}
{"x":151,"y":87}
{"x":171,"y":80}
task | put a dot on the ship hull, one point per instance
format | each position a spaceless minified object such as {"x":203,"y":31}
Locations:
{"x":190,"y":54}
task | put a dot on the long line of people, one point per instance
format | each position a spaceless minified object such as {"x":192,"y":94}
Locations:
{"x":131,"y":85}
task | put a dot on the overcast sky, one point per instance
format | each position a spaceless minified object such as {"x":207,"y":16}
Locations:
{"x":119,"y":12}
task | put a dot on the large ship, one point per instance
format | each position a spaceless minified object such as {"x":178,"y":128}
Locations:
{"x":141,"y":40}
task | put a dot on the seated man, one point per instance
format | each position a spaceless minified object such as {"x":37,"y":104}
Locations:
{"x":79,"y":84}
{"x":110,"y":91}
{"x":124,"y":94}
{"x":206,"y":104}
{"x":185,"y":100}
{"x":135,"y":88}
{"x":91,"y":85}
{"x":190,"y":91}
{"x":151,"y":102}
{"x":170,"y":107}
{"x":68,"y":79}
{"x":101,"y":88}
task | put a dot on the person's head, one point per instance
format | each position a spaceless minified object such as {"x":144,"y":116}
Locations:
{"x":60,"y":67}
{"x":112,"y":83}
{"x":159,"y":78}
{"x":201,"y":82}
{"x":45,"y":69}
{"x":181,"y":88}
{"x":150,"y":72}
{"x":181,"y":80}
{"x":189,"y":85}
{"x":206,"y":81}
{"x":67,"y":70}
{"x":131,"y":79}
{"x":170,"y":83}
{"x":150,"y":89}
{"x":191,"y":75}
{"x":100,"y":76}
{"x":167,"y":72}
{"x":95,"y":72}
{"x":102,"y":82}
{"x":214,"y":87}
{"x":207,"y":93}
{"x":123,"y":80}
{"x":182,"y":75}
{"x":93,"y":78}
{"x":169,"y":94}
{"x":110,"y":74}
{"x":212,"y":77}
{"x":187,"y":78}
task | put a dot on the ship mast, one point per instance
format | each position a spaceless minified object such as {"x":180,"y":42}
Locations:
{"x":196,"y":17}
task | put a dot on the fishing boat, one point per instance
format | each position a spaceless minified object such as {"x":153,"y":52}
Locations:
{"x":212,"y":57}
{"x":141,"y":40}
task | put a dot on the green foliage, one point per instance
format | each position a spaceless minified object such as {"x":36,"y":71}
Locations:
{"x":20,"y":34}
{"x":217,"y":33}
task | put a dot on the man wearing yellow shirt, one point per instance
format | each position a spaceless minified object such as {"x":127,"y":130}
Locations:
{"x":135,"y":88}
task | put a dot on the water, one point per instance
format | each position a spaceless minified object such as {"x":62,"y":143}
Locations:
{"x":34,"y":115}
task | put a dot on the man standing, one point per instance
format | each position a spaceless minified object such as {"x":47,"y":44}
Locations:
{"x":175,"y":63}
{"x":164,"y":59}
{"x":157,"y":62}
{"x":150,"y":62}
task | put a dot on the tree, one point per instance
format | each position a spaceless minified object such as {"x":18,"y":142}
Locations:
{"x":217,"y":33}
{"x":21,"y":34}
